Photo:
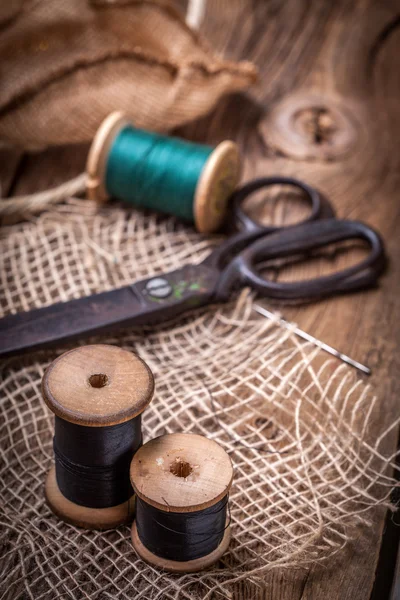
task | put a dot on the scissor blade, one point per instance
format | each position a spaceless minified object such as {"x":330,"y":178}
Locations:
{"x":147,"y":301}
{"x":65,"y":321}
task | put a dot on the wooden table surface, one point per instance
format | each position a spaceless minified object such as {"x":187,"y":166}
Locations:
{"x":326,"y":110}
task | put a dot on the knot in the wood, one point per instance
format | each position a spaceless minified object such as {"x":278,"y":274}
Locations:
{"x":317,"y":124}
{"x":312,"y":128}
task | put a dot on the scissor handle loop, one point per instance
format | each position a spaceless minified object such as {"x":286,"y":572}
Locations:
{"x":299,"y":240}
{"x":244,"y":222}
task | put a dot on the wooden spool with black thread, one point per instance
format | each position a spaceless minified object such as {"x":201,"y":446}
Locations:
{"x":93,"y":391}
{"x":180,"y":474}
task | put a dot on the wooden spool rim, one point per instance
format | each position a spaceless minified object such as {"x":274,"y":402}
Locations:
{"x":82,"y":516}
{"x":209,"y":467}
{"x":98,"y":153}
{"x":175,"y":566}
{"x":69,"y":393}
{"x":216,"y":183}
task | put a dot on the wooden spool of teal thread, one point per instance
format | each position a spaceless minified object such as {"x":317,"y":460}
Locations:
{"x":190,"y":181}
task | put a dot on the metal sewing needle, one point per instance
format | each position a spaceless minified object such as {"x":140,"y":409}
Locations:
{"x":313,"y":340}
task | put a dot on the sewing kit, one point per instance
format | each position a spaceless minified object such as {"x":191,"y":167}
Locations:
{"x":176,"y":487}
{"x":236,"y":263}
{"x":181,"y":481}
{"x":165,"y":434}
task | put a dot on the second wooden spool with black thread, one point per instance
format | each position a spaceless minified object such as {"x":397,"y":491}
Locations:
{"x":182,"y":483}
{"x":97,"y":394}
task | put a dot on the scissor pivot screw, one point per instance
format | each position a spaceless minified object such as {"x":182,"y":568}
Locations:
{"x":158,"y":288}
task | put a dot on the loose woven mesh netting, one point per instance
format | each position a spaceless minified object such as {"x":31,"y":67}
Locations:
{"x":298,"y":427}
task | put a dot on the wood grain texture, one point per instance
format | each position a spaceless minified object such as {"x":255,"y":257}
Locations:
{"x":97,"y":385}
{"x":181,"y":472}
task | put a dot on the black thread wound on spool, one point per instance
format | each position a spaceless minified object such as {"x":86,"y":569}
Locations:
{"x":92,"y":463}
{"x":181,"y":536}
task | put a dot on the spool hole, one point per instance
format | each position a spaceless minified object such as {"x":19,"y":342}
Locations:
{"x":180,"y":468}
{"x":98,"y":380}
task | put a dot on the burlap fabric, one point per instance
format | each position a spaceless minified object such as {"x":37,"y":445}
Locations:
{"x":66,"y":64}
{"x":309,"y":466}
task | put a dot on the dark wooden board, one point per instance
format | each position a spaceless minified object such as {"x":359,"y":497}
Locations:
{"x":395,"y":592}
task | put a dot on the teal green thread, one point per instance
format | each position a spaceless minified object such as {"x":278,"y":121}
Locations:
{"x":155,"y":171}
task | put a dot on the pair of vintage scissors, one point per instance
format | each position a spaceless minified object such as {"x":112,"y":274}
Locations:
{"x":235,"y":263}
